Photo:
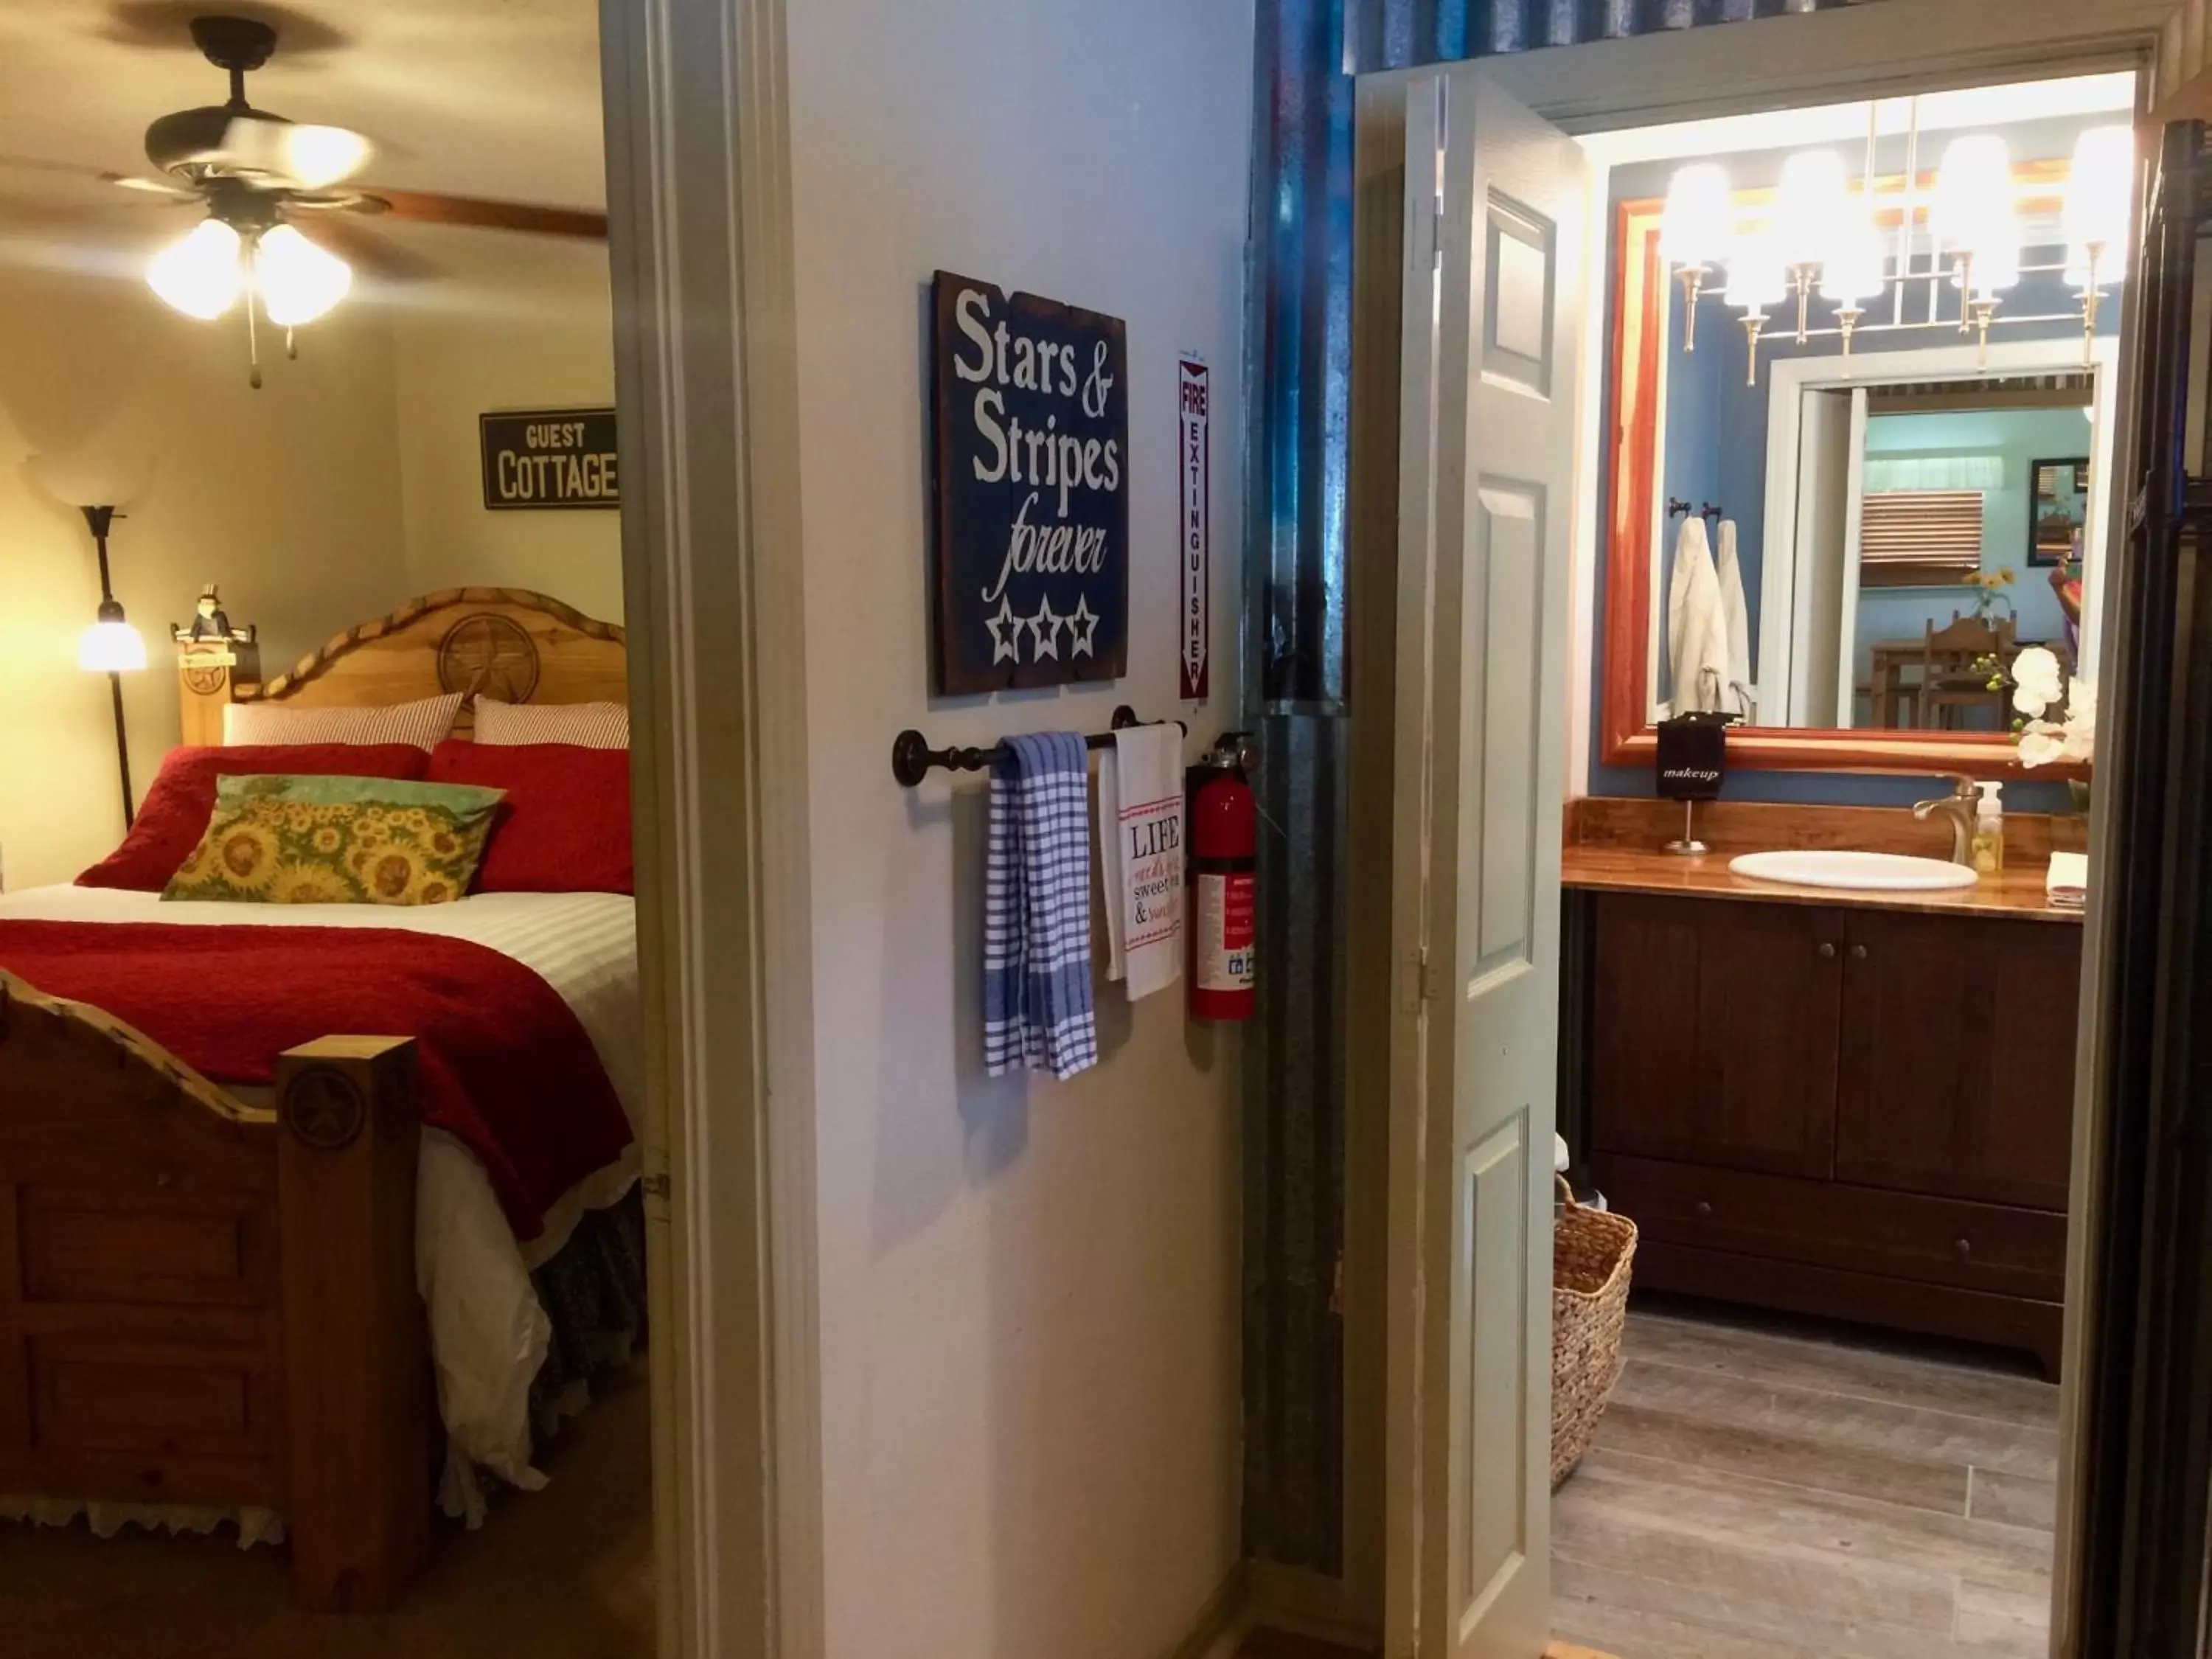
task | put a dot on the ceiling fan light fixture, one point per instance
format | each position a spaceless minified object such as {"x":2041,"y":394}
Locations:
{"x":199,"y":274}
{"x":297,"y":281}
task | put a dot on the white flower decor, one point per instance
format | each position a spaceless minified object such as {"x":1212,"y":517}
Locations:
{"x":2039,"y":683}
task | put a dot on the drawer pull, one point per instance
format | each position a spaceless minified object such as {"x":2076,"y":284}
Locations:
{"x":1704,"y":1210}
{"x":1965,"y":1247}
{"x":1828,"y":949}
{"x":1858,"y":953}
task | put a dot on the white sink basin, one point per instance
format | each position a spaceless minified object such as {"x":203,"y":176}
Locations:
{"x":1863,"y":870}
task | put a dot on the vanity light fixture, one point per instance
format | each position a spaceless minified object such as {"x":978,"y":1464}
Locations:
{"x":1977,"y":227}
{"x":1756,"y":281}
{"x":1821,"y":235}
{"x":1808,"y":211}
{"x":1695,"y":233}
{"x":2099,"y":189}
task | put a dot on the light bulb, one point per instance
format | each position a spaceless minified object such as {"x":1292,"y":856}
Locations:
{"x":2098,"y":191}
{"x":1699,"y":216}
{"x":316,"y":156}
{"x":1756,"y":278}
{"x":111,"y":645}
{"x":297,"y":281}
{"x":199,"y":275}
{"x":1809,"y":206}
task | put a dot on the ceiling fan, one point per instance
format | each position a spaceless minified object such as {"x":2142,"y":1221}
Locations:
{"x":256,"y":172}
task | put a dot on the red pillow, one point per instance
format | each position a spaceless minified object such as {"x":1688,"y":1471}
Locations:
{"x":178,"y":807}
{"x":564,"y":826}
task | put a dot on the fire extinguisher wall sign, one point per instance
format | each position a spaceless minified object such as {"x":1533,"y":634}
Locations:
{"x":1224,"y":866}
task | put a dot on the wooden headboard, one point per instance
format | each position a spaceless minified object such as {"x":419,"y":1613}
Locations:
{"x":506,"y":642}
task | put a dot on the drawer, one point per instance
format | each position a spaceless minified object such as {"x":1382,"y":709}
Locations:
{"x":1942,"y":1241}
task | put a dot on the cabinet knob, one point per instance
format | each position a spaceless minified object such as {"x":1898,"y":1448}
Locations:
{"x":1827,"y":949}
{"x":1965,"y":1247}
{"x":1704,"y":1210}
{"x":1858,"y":953}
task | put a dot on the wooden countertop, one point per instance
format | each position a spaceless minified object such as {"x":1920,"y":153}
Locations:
{"x":2016,"y":892}
{"x":1613,"y":842}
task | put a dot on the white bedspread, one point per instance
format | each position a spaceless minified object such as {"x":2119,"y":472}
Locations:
{"x":488,"y":1333}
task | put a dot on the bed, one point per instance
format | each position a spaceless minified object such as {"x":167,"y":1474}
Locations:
{"x":228,"y":1297}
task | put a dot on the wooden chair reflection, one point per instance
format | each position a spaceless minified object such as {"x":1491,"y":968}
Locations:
{"x":1936,"y":682}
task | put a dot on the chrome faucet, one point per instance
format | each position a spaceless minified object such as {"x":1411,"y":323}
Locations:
{"x":1958,"y":807}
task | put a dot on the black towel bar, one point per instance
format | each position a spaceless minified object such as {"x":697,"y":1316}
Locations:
{"x":912,"y":756}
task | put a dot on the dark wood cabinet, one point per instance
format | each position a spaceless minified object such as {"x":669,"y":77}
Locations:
{"x":1679,"y":983}
{"x":1856,"y":1111}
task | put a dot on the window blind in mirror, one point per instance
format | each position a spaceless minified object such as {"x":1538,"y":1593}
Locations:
{"x":1910,"y":537}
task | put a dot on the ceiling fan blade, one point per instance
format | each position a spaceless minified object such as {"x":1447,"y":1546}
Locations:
{"x":373,"y":255}
{"x":431,"y":208}
{"x":292,"y":154}
{"x":149,"y":186}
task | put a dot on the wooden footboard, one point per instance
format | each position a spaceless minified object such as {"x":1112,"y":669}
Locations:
{"x":205,"y":1304}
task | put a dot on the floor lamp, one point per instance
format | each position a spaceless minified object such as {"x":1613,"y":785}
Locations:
{"x":112,"y":646}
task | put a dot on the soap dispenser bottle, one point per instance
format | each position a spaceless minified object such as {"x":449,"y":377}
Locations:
{"x":1988,"y":853}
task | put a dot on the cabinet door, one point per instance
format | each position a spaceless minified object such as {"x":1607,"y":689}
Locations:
{"x":1958,"y":1056}
{"x":1714,"y":1030}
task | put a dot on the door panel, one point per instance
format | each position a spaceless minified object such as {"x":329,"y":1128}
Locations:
{"x":1714,"y":1032}
{"x":1958,"y":1057}
{"x":1486,"y":453}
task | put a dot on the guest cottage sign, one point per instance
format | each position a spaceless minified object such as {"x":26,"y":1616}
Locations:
{"x":1032,"y":432}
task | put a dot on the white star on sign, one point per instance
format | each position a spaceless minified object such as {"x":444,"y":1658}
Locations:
{"x":1045,"y":631}
{"x":1008,"y":642}
{"x":1082,"y":628}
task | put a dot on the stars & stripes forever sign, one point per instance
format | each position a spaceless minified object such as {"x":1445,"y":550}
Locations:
{"x":1032,"y":432}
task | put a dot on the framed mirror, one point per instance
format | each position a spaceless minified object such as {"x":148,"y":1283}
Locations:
{"x":1907,"y":503}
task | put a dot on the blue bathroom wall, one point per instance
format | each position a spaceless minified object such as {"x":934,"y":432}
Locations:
{"x":1714,"y":428}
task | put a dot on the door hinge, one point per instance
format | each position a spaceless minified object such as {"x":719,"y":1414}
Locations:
{"x":654,"y":1186}
{"x":1437,"y":232}
{"x":1420,"y":987}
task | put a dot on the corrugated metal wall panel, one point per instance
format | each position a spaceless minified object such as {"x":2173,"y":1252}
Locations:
{"x":1298,"y":367}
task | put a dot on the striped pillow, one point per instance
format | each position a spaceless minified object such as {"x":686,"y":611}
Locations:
{"x":423,"y":724}
{"x":586,"y":725}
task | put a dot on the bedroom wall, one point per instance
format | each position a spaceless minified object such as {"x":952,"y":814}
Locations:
{"x":347,"y":485}
{"x":288,"y":496}
{"x":516,"y":322}
{"x":1029,"y":1312}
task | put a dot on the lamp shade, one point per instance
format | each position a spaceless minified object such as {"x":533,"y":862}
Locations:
{"x":111,"y":645}
{"x":199,"y":274}
{"x":1857,"y":266}
{"x":1700,"y":218}
{"x":2099,"y":189}
{"x":298,"y":281}
{"x":1756,"y":277}
{"x":1809,"y":206}
{"x":1972,"y":212}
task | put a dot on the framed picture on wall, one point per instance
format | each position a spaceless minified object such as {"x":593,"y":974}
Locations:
{"x":2057,"y":508}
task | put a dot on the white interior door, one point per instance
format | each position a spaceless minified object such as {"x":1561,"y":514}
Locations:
{"x":1846,"y":631}
{"x":1819,"y":542}
{"x":1492,"y":303}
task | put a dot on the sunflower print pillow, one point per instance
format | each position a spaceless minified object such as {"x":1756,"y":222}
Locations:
{"x":276,"y":840}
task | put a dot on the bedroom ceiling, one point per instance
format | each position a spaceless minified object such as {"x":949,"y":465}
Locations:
{"x":495,"y":98}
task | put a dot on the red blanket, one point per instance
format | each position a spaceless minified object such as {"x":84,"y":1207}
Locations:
{"x":503,"y":1064}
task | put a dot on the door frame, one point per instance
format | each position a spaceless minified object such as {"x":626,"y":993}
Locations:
{"x":1852,"y":53}
{"x":700,"y":246}
{"x":1793,"y":377}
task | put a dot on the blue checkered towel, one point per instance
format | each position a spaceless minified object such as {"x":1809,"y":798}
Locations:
{"x":1036,"y":910}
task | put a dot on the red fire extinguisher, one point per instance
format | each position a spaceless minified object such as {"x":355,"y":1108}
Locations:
{"x":1224,"y":874}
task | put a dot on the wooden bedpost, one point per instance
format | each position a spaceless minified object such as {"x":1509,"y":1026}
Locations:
{"x":357,"y":1426}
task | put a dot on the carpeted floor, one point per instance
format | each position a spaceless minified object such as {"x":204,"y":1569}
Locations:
{"x":565,"y":1573}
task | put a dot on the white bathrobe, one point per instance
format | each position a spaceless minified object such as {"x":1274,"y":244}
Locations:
{"x":1736,"y":615}
{"x":1696,"y":627}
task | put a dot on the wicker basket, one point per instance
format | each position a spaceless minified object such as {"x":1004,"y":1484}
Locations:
{"x":1591,"y":1254}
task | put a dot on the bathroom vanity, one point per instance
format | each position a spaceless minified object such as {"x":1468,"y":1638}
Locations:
{"x":1857,"y":1104}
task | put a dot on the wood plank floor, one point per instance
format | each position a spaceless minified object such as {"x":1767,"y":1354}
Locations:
{"x":1772,"y":1489}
